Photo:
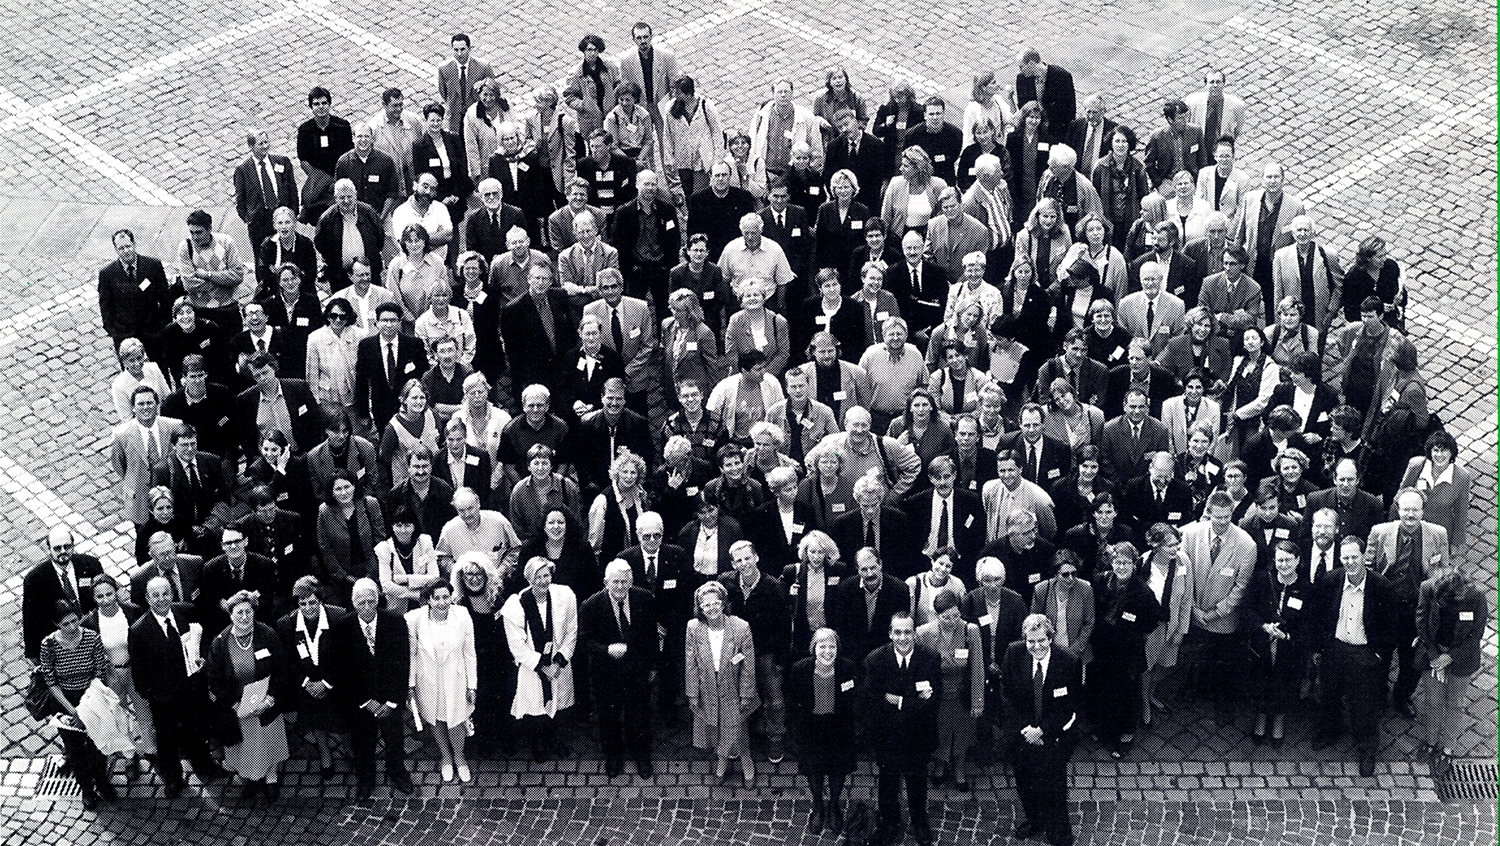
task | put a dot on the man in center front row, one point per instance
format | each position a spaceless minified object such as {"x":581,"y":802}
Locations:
{"x":902,"y":687}
{"x":619,"y":629}
{"x":1043,"y":690}
{"x":370,"y":657}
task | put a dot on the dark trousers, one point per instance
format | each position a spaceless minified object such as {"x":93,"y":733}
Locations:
{"x":89,"y":768}
{"x":669,"y":680}
{"x":179,"y":734}
{"x":624,"y":719}
{"x":1042,"y":785}
{"x":913,"y":770}
{"x":1351,"y":674}
{"x":649,"y":282}
{"x":364,"y":729}
{"x":1218,"y":668}
{"x":1405,"y":655}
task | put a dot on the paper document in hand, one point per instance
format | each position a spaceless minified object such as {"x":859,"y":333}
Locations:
{"x":253,"y":698}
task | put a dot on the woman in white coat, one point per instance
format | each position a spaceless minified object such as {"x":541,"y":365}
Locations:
{"x":444,"y":673}
{"x":541,"y":628}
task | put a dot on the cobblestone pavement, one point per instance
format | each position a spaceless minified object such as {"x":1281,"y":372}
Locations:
{"x":128,"y":114}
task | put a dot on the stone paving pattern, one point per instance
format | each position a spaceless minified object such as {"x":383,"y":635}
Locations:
{"x":1331,"y":86}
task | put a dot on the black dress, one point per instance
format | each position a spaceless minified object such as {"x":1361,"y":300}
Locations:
{"x":1277,"y":673}
{"x":1125,"y":612}
{"x":825,"y":742}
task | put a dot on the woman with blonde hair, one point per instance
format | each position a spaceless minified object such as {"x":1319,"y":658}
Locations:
{"x":720,"y":680}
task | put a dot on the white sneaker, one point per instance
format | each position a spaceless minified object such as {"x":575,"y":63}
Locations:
{"x":464,"y":775}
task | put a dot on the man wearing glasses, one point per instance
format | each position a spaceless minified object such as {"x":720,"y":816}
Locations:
{"x":64,"y":575}
{"x":236,"y":570}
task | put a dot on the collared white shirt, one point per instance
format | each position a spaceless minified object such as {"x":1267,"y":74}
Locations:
{"x":314,"y":639}
{"x":1351,"y":625}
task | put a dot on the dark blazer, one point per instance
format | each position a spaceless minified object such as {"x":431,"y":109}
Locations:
{"x":299,"y":667}
{"x":529,"y":191}
{"x":871,"y":166}
{"x":922,"y":308}
{"x":211,"y":417}
{"x":476,"y":471}
{"x":966,"y":526}
{"x":1379,"y":612}
{"x":847,"y":325}
{"x":293,"y":489}
{"x":795,"y":239}
{"x":1182,"y":277}
{"x":765,"y":530}
{"x":847,"y":699}
{"x":1325,"y":399}
{"x":1093,"y":381}
{"x":795,"y":577}
{"x":522,"y":328}
{"x":487,"y":237}
{"x":909,"y":732}
{"x":249,"y":198}
{"x":1062,"y":695}
{"x":303,"y":254}
{"x":674,"y":585}
{"x":217,"y":585}
{"x":572,"y":383}
{"x":591,"y":456}
{"x":288,"y":360}
{"x":1118,"y":459}
{"x":729,"y":532}
{"x":270,"y":663}
{"x":1356,"y":518}
{"x":41,"y":589}
{"x":836,"y":240}
{"x":618,"y":189}
{"x":859,"y":633}
{"x":1078,"y":133}
{"x":128,"y":309}
{"x":597,"y":629}
{"x":284,"y":542}
{"x":305,"y":317}
{"x":1057,"y":458}
{"x":995,"y":633}
{"x":328,"y":237}
{"x":189,"y":573}
{"x":1163,"y":386}
{"x":900,"y":556}
{"x":159,"y":672}
{"x":301,"y":407}
{"x":1138,"y":503}
{"x":625,"y":231}
{"x":1466,"y":618}
{"x":423,"y":154}
{"x":208,"y":504}
{"x":1058,"y":99}
{"x":358,"y":676}
{"x":374,"y":395}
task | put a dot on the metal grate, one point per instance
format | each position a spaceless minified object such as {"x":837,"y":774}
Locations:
{"x":1468,"y":780}
{"x":54,"y":784}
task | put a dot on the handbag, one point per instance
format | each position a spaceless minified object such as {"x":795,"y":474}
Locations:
{"x":39,"y":699}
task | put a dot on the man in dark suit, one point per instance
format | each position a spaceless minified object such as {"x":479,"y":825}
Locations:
{"x":602,"y":433}
{"x":618,"y":629}
{"x":484,"y":231}
{"x":878,"y":526}
{"x":183,"y":572}
{"x":1178,"y":272}
{"x":789,"y":226}
{"x":64,"y":575}
{"x":860,"y":153}
{"x":205,"y":406}
{"x":370,"y":661}
{"x":902,"y":687}
{"x":1353,"y":643}
{"x":262,"y":184}
{"x":1043,"y":692}
{"x":865,"y":605}
{"x":133,"y":297}
{"x":1089,"y":135}
{"x":1052,"y":86}
{"x":285,"y":404}
{"x":200,"y":491}
{"x":647,"y":254}
{"x":166,"y":648}
{"x":1129,"y":438}
{"x":539,"y":322}
{"x":1159,"y":496}
{"x":277,"y":534}
{"x":236,"y":570}
{"x":328,"y":235}
{"x":919,"y":286}
{"x":522,"y":179}
{"x":1175,"y":147}
{"x":666,"y":571}
{"x":1139,"y":371}
{"x":716,"y":210}
{"x":1358,"y":510}
{"x":974,"y":463}
{"x":945,"y":515}
{"x":1089,"y":378}
{"x":942,"y":141}
{"x":260,"y":336}
{"x":450,"y":165}
{"x":383,"y":363}
{"x":1044,"y":459}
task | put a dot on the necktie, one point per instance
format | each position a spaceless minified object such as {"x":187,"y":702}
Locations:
{"x":463,"y":84}
{"x":130,"y":272}
{"x":239,"y":574}
{"x":175,"y":579}
{"x":1091,"y":146}
{"x":192,"y":474}
{"x":651,"y":569}
{"x":260,"y":344}
{"x":942,"y":531}
{"x":544,"y":312}
{"x":495,"y":219}
{"x":153,"y":452}
{"x":1212,"y":118}
{"x":622,"y":618}
{"x":1150,"y":317}
{"x":390,"y":362}
{"x":1135,"y":435}
{"x":870,"y":534}
{"x":1038,"y":681}
{"x":369,"y":635}
{"x":66,"y":580}
{"x":541,"y":144}
{"x":615,"y":332}
{"x":1161,"y":494}
{"x":781,"y":221}
{"x":267,"y":184}
{"x":1214,"y":547}
{"x":853,"y":149}
{"x":1032,"y":463}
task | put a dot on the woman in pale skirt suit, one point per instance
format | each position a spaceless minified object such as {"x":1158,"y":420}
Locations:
{"x":720,"y":680}
{"x":444,"y":672}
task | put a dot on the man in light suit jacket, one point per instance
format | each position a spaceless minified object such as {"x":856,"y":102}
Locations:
{"x":1174,"y":415}
{"x":636,"y":342}
{"x":1264,"y":225}
{"x":1164,"y":310}
{"x":650,"y":66}
{"x":262,"y":184}
{"x":578,"y":265}
{"x":1222,"y":184}
{"x":617,"y":626}
{"x":1325,"y":274}
{"x":137,"y":445}
{"x":133,"y":296}
{"x":456,"y":79}
{"x":1041,"y":727}
{"x":1223,"y":561}
{"x":1405,"y":552}
{"x":1231,"y":121}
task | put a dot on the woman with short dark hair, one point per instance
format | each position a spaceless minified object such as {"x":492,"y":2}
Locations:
{"x":71,"y":658}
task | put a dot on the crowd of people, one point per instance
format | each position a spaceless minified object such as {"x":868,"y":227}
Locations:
{"x":852,"y":431}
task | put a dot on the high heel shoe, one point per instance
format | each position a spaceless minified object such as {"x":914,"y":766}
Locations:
{"x":721,"y":770}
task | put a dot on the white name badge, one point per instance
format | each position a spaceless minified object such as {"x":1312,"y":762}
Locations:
{"x":669,"y":584}
{"x":1127,"y":617}
{"x":707,"y":295}
{"x":708,"y":442}
{"x":1043,"y":146}
{"x":522,"y":166}
{"x":796,"y":232}
{"x":839,"y":507}
{"x":693,"y":491}
{"x":924,"y":686}
{"x":85,"y":581}
{"x":1060,"y":692}
{"x":794,"y":589}
{"x":690,"y":346}
{"x":1294,"y":603}
{"x":145,"y":283}
{"x":1033,"y":578}
{"x":287,"y":550}
{"x":410,"y":366}
{"x":635,"y":332}
{"x":606,"y":193}
{"x":434,"y":162}
{"x":1323,"y":418}
{"x":1174,"y":515}
{"x":279,"y":168}
{"x":1210,"y":468}
{"x":262,"y":653}
{"x":969,"y":522}
{"x":820,"y":319}
{"x":669,"y":226}
{"x":301,"y":410}
{"x":1301,"y":500}
{"x":839,"y":396}
{"x":833,"y":580}
{"x":986,"y":620}
{"x":583,"y":365}
{"x":322,"y":140}
{"x":281,"y":497}
{"x":1227,"y":572}
{"x":630,"y":127}
{"x":846,"y":686}
{"x":1193,"y":148}
{"x":787,"y":135}
{"x":1114,"y":356}
{"x":940,"y":158}
{"x":471,"y":460}
{"x":224,"y":421}
{"x":1182,"y":570}
{"x":797,"y":528}
{"x":960,"y":654}
{"x":739,"y":658}
{"x":1054,"y":473}
{"x":302,"y":321}
{"x":856,"y":225}
{"x":302,"y":652}
{"x":1283,"y":533}
{"x":973,"y":484}
{"x":880,"y":316}
{"x":1466,"y":616}
{"x":607,"y":175}
{"x":203,"y":345}
{"x":813,"y":190}
{"x":971,"y":171}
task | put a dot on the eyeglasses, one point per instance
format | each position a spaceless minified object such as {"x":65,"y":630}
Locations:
{"x":62,"y":547}
{"x":1067,"y":574}
{"x":338,"y":315}
{"x":234,"y":541}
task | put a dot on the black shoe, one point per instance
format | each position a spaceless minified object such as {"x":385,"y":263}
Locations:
{"x":561,"y":749}
{"x":1441,"y":765}
{"x":1275,"y":742}
{"x":1027,"y":830}
{"x":961,"y":785}
{"x":172,"y":790}
{"x":247,"y":794}
{"x":923,"y":833}
{"x":273,"y":792}
{"x":1257,"y":739}
{"x":1405,"y":710}
{"x":90,"y":801}
{"x":644,"y":769}
{"x":210,"y":771}
{"x":107,"y":792}
{"x":1367,"y":765}
{"x":1323,"y":741}
{"x":363,"y":793}
{"x":815,"y":821}
{"x":402,"y":783}
{"x":539,"y":753}
{"x":613,"y":768}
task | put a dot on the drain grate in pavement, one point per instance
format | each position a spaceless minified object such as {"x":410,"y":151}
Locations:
{"x":1468,"y":780}
{"x":54,"y":783}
